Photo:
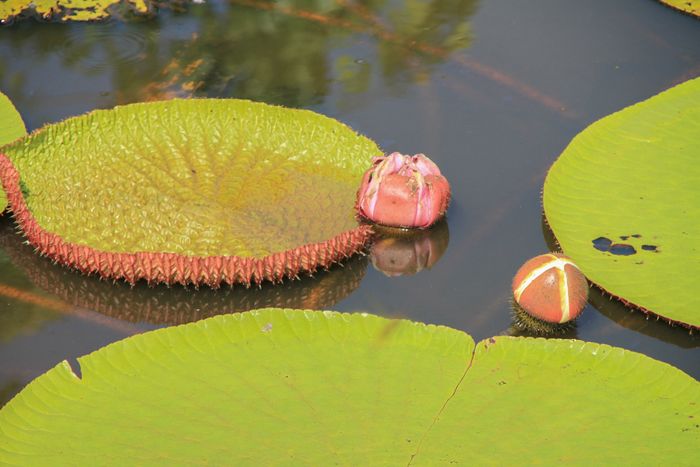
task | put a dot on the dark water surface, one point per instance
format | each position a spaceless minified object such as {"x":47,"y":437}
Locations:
{"x":492,"y":91}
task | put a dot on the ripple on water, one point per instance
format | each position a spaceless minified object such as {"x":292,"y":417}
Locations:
{"x":109,"y":44}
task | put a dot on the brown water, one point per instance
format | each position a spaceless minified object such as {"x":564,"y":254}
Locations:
{"x":492,"y":91}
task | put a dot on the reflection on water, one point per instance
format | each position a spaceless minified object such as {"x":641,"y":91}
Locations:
{"x":401,"y":253}
{"x":239,"y":48}
{"x":175,"y":305}
{"x":637,"y":321}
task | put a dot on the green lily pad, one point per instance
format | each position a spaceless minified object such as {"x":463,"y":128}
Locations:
{"x":11,"y":128}
{"x":623,"y":201}
{"x":190,"y":191}
{"x":68,"y":10}
{"x":290,"y":387}
{"x":692,"y":7}
{"x":11,"y":124}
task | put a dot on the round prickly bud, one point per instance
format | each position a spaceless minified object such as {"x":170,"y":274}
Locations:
{"x":403,"y":191}
{"x":551,"y":287}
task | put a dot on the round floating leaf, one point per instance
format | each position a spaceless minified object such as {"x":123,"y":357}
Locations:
{"x":691,"y":7}
{"x":201,"y":191}
{"x":286,"y":387}
{"x":623,"y":200}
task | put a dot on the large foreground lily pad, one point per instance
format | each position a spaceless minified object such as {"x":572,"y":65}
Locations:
{"x":190,"y":191}
{"x":623,"y":200}
{"x":289,"y":387}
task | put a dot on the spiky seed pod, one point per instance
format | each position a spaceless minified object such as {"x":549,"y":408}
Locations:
{"x":551,"y":287}
{"x":526,"y":324}
{"x":403,"y":191}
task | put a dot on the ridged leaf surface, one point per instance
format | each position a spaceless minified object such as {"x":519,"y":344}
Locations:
{"x":623,"y":200}
{"x":193,"y":177}
{"x":290,"y":387}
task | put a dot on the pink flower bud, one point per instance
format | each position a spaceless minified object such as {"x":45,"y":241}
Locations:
{"x":403,"y":191}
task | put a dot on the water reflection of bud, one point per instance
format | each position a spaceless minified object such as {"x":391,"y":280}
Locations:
{"x":399,"y":253}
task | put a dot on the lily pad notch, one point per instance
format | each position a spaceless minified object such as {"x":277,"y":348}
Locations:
{"x":286,"y":208}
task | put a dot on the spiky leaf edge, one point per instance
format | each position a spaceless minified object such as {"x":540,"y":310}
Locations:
{"x":174,"y":268}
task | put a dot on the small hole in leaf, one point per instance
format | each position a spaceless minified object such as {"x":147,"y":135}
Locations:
{"x":622,"y":249}
{"x":602,"y":243}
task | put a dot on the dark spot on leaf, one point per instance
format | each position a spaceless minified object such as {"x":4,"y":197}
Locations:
{"x":602,"y":243}
{"x":650,"y":248}
{"x":636,"y":235}
{"x":622,"y":249}
{"x":624,"y":237}
{"x":492,"y":340}
{"x":501,"y":383}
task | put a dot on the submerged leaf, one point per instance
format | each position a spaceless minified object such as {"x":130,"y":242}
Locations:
{"x":281,"y":387}
{"x":623,"y":201}
{"x":68,"y":10}
{"x":241,"y":191}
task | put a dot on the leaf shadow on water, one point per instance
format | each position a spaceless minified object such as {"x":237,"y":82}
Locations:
{"x":177,"y":305}
{"x":625,"y":316}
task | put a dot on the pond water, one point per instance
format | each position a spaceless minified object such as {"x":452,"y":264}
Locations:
{"x":492,"y":91}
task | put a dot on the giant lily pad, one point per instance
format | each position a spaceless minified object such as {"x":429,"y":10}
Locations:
{"x":623,"y":200}
{"x":190,"y":191}
{"x":285,"y":387}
